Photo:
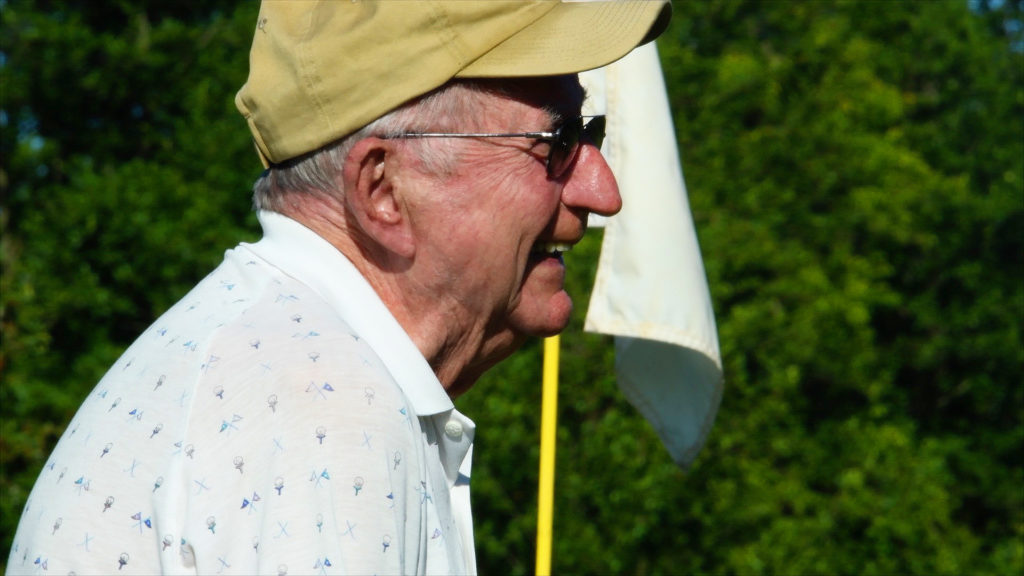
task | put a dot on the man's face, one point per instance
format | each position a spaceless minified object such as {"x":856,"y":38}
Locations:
{"x":496,"y":223}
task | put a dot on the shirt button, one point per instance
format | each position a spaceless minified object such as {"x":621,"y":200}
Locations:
{"x":453,"y":429}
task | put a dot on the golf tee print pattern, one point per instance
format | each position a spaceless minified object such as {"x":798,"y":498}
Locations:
{"x":253,"y":430}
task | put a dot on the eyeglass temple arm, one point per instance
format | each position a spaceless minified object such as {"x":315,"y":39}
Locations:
{"x":546,"y":135}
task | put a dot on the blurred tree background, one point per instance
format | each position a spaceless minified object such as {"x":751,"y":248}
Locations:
{"x":856,"y":171}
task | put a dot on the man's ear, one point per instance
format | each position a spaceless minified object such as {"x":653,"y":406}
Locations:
{"x":372,"y":198}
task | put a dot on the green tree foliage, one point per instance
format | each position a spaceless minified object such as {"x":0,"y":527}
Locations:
{"x":855,"y":169}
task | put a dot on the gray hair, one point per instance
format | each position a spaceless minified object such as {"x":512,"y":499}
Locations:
{"x":319,"y":172}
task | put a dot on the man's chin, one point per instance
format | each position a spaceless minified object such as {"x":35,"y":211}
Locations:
{"x":544,"y":318}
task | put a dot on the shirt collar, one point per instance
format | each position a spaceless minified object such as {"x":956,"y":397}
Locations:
{"x":302,"y":254}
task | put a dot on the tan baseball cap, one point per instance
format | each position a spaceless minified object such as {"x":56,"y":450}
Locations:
{"x":322,"y":69}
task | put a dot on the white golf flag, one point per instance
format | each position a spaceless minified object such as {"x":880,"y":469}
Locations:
{"x":651,"y":291}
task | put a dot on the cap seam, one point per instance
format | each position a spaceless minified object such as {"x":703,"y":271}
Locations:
{"x":452,"y":44}
{"x":310,"y":76}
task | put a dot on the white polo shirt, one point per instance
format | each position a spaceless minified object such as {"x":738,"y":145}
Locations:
{"x":277,"y":420}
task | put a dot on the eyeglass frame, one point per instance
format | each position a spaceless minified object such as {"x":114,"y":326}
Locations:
{"x":593,"y":130}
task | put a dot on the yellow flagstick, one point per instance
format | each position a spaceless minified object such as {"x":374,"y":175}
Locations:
{"x":548,"y":427}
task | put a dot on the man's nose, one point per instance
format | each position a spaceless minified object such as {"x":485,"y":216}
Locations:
{"x":591,"y":184}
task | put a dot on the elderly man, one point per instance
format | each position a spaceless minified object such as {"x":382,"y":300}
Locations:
{"x":427,"y":166}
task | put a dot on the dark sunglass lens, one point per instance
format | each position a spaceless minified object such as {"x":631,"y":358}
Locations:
{"x":563,"y":149}
{"x":594,"y":130}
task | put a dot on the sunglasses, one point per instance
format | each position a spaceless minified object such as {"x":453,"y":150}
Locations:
{"x":564,"y":140}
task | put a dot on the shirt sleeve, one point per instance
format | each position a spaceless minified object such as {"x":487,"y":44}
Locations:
{"x":248,"y":431}
{"x":297,"y":437}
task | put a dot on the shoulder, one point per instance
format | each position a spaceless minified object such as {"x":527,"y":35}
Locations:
{"x":250,"y":385}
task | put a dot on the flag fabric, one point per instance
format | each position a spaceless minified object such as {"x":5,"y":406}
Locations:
{"x":651,"y":291}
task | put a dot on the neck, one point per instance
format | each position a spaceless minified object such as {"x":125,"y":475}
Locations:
{"x":458,"y":346}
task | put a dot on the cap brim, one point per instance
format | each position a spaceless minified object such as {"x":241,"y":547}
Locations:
{"x":551,"y":44}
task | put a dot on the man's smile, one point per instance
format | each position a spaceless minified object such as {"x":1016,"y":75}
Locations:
{"x":550,"y":249}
